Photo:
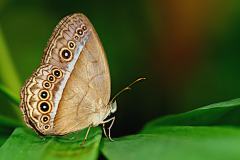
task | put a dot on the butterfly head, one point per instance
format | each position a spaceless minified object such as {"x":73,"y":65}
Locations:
{"x":113,"y":107}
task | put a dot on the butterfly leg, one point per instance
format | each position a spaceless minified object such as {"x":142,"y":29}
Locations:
{"x":104,"y":130}
{"x":109,"y":128}
{"x":85,"y":138}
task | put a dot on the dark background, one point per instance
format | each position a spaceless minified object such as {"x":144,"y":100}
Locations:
{"x":188,"y":50}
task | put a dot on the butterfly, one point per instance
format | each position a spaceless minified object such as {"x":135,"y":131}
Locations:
{"x":70,"y":90}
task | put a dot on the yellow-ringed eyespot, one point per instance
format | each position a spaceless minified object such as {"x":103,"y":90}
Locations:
{"x":44,"y":94}
{"x":47,"y":85}
{"x":66,"y":54}
{"x":76,"y":37}
{"x":84,"y":28}
{"x":45,"y":119}
{"x":46,"y":127}
{"x":57,"y":73}
{"x":71,"y":45}
{"x":79,"y":31}
{"x":51,"y":78}
{"x":44,"y":107}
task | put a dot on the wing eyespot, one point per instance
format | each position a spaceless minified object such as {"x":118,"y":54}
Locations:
{"x":79,"y":32}
{"x":76,"y":37}
{"x":66,"y":54}
{"x":84,"y":28}
{"x":46,"y":127}
{"x":51,"y":78}
{"x":44,"y":107}
{"x":45,"y":119}
{"x":47,"y":85}
{"x":71,"y":45}
{"x":57,"y":73}
{"x":44,"y":94}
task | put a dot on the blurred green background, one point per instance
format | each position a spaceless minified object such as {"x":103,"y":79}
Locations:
{"x":188,"y":50}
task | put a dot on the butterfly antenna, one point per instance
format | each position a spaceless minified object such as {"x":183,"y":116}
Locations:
{"x":125,"y":89}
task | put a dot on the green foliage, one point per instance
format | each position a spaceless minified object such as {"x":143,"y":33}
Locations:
{"x":28,"y":145}
{"x":9,"y":88}
{"x":10,"y":84}
{"x":210,"y":132}
{"x":174,"y":143}
{"x":224,"y":113}
{"x":189,"y":135}
{"x":8,"y":73}
{"x":10,"y":95}
{"x":203,"y":133}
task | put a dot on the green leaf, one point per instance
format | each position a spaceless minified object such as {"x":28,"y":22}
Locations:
{"x":10,"y":83}
{"x":7,"y":125}
{"x":8,"y":73}
{"x":9,"y":122}
{"x":13,"y":105}
{"x":176,"y":143}
{"x":181,"y":137}
{"x":25,"y":144}
{"x":3,"y":138}
{"x":4,"y":134}
{"x":9,"y":94}
{"x":224,"y":113}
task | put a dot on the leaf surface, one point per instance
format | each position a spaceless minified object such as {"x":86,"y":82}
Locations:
{"x":174,"y":143}
{"x":25,"y":144}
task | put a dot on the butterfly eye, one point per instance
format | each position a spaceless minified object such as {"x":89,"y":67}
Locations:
{"x":44,"y":107}
{"x":44,"y":94}
{"x":66,"y":54}
{"x":47,"y":85}
{"x":71,"y":45}
{"x":57,"y":73}
{"x":51,"y":78}
{"x":45,"y":119}
{"x":79,"y":32}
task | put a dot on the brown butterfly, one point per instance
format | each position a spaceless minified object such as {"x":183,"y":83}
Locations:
{"x":70,"y":90}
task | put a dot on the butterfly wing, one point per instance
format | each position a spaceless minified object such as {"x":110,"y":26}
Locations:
{"x":76,"y":69}
{"x":87,"y":92}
